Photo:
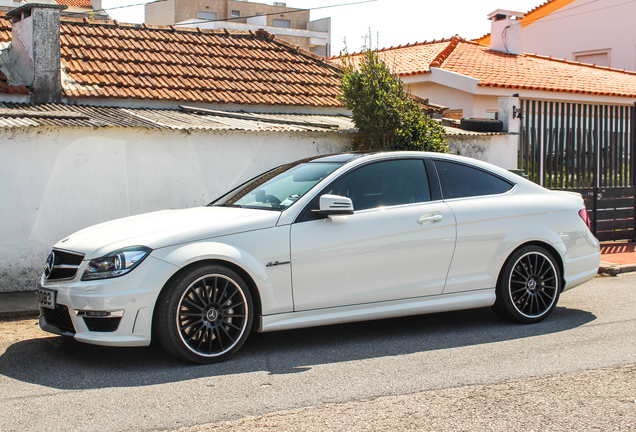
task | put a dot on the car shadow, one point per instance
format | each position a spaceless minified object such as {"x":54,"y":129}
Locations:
{"x":63,"y":363}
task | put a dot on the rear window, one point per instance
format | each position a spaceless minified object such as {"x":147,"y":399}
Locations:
{"x":460,"y":181}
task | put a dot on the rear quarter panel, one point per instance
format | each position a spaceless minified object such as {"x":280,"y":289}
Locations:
{"x":490,"y":228}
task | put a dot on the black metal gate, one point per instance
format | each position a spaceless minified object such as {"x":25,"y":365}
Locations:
{"x":590,"y":149}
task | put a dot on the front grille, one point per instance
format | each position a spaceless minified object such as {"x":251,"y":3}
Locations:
{"x":102,"y":324}
{"x":62,"y":274}
{"x":58,"y":317}
{"x":62,"y":265}
{"x":70,"y":258}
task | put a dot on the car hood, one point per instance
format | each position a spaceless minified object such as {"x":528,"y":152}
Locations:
{"x":165,"y":228}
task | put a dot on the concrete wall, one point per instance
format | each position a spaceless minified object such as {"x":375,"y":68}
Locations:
{"x":586,"y":27}
{"x":500,"y":150}
{"x":160,"y":12}
{"x":57,"y":181}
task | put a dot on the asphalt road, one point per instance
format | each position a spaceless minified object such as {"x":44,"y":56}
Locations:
{"x":54,"y":383}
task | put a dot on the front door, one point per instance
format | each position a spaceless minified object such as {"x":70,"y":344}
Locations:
{"x":398,"y":244}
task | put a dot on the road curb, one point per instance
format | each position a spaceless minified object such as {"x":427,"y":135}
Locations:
{"x":21,"y":304}
{"x":19,"y":314}
{"x":616,"y":269}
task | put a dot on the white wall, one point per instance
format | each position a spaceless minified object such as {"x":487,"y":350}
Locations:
{"x":473,"y":105}
{"x":584,"y":25}
{"x":446,"y":96}
{"x":57,"y":181}
{"x":483,"y":103}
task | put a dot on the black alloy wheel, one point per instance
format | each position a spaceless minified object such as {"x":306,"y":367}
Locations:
{"x":529,"y":286}
{"x":205,"y":316}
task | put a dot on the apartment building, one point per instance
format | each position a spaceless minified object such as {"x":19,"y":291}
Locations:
{"x":91,"y":9}
{"x":290,"y":24}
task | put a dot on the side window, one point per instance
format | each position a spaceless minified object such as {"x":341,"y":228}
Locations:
{"x":383,"y":184}
{"x":459,"y":181}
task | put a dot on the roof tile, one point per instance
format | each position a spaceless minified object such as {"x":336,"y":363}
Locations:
{"x":76,"y":3}
{"x":108,"y":59}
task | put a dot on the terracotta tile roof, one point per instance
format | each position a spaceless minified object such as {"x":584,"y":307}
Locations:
{"x":10,"y":89}
{"x":76,"y":3}
{"x":105,"y":59}
{"x":408,"y":59}
{"x":498,"y":69}
{"x":5,"y":29}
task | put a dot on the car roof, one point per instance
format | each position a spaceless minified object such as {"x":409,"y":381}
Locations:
{"x":339,"y":157}
{"x":362,"y":158}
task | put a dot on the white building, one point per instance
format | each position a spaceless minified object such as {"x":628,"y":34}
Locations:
{"x":469,"y":78}
{"x":598,"y":32}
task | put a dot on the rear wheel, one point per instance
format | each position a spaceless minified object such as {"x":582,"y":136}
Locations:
{"x":204,"y":316}
{"x":529,"y":286}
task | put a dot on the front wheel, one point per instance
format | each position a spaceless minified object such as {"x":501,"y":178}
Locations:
{"x":205,"y":315}
{"x":529,"y":286}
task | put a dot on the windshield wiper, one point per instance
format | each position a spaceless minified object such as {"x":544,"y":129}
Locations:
{"x":226,"y":205}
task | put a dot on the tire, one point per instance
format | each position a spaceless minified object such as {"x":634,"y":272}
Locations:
{"x":481,"y":125}
{"x":529,"y":286}
{"x":204,"y":315}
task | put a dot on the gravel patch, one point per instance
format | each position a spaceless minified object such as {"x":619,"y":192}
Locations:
{"x":16,"y":330}
{"x":596,"y":400}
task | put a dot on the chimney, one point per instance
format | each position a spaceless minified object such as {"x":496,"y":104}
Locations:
{"x":35,"y":46}
{"x":505,"y":32}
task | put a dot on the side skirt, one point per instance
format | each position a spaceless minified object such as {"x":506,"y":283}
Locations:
{"x":371,"y":311}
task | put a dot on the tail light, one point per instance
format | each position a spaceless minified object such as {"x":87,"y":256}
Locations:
{"x":585,"y":217}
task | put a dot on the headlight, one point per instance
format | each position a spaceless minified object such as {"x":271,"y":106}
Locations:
{"x":116,"y":263}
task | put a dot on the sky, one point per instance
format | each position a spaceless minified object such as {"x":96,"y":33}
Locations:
{"x":390,"y":22}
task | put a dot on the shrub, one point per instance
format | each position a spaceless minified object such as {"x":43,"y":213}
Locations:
{"x":386,"y":116}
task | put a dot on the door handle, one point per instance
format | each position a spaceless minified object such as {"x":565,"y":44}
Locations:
{"x":430,"y":218}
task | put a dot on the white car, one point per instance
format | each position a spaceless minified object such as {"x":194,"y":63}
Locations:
{"x":327,"y":240}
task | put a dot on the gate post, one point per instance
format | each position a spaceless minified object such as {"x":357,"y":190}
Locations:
{"x":632,"y":155}
{"x":632,"y":146}
{"x":508,"y":109}
{"x":508,"y":112}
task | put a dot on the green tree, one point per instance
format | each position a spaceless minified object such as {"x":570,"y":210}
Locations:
{"x":386,"y":116}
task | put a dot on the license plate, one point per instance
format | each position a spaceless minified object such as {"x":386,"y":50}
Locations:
{"x":46,"y":298}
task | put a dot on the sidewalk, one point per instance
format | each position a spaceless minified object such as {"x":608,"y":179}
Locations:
{"x":616,"y":258}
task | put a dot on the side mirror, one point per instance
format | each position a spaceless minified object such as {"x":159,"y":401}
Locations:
{"x":334,"y":205}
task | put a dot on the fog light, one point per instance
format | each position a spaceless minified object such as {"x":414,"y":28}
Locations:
{"x":99,"y":314}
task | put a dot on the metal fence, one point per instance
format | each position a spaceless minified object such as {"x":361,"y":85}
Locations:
{"x":585,"y":148}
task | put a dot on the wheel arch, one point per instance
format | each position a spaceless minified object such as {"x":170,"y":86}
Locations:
{"x":550,"y":248}
{"x":256,"y":297}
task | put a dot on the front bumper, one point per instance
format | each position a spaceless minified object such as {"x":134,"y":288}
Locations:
{"x":132,"y":297}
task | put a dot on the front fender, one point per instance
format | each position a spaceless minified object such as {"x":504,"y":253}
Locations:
{"x":250,"y":251}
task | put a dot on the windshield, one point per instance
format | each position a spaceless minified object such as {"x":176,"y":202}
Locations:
{"x":279,"y":188}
